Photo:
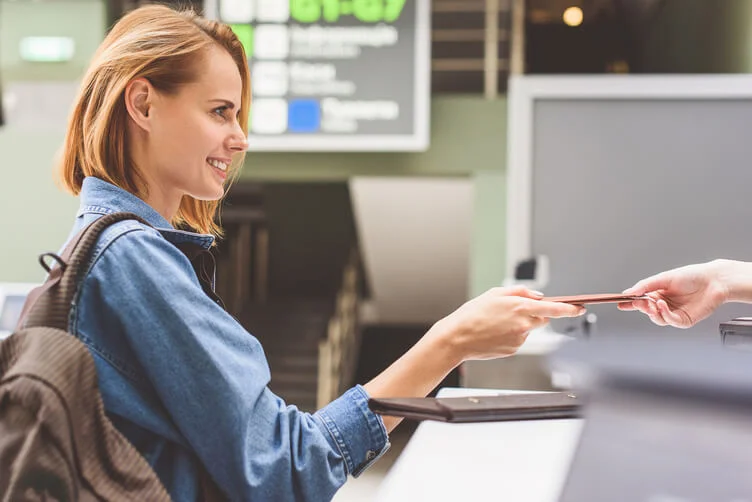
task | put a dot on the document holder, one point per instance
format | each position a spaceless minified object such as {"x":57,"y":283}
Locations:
{"x":523,"y":406}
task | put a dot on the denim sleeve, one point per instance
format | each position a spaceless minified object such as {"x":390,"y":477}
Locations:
{"x":359,"y":433}
{"x":212,"y":375}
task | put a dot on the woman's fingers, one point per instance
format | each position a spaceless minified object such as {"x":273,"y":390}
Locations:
{"x":518,"y":291}
{"x":551,"y":310}
{"x":538,"y":322}
{"x":627,"y":306}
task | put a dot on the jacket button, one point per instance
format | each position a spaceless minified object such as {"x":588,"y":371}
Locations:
{"x":370,"y":455}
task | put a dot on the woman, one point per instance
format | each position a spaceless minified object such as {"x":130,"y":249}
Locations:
{"x":158,"y":129}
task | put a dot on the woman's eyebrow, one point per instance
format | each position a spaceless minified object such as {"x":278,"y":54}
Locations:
{"x":229,"y":103}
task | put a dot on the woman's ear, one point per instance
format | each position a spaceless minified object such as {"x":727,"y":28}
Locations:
{"x":139,"y":94}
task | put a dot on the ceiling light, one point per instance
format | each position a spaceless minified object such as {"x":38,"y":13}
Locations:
{"x":573,"y":16}
{"x":47,"y":49}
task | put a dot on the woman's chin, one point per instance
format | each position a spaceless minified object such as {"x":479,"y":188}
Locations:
{"x":214,"y":193}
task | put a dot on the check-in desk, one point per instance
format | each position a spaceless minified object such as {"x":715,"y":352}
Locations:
{"x":667,"y":420}
{"x":522,"y":461}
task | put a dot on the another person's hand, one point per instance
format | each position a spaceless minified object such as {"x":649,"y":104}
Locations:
{"x":496,"y":323}
{"x":684,"y":296}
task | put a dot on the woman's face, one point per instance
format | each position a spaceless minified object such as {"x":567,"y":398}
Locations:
{"x":195,"y":134}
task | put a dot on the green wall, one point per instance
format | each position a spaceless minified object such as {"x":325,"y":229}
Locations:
{"x":82,"y":20}
{"x":36,"y":214}
{"x":488,"y":247}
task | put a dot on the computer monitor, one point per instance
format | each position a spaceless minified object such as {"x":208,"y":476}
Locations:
{"x":616,"y":177}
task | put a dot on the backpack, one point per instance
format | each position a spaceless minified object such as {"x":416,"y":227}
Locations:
{"x":56,"y":443}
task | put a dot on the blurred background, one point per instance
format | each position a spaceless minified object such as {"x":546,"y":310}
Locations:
{"x":375,"y":198}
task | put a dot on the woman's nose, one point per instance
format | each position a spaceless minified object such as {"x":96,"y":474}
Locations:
{"x":238,"y":142}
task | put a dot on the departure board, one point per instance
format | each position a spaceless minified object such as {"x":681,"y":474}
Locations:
{"x":335,"y":75}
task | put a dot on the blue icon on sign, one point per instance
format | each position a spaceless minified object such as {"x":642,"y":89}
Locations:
{"x":304,"y":115}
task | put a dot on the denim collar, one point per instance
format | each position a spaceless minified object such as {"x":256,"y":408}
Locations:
{"x":99,"y":197}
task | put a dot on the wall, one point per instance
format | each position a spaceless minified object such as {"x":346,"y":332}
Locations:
{"x":37,"y":215}
{"x":488,"y":241}
{"x":415,"y":236}
{"x":82,"y":20}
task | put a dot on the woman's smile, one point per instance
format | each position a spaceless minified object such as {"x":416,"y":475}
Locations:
{"x":219,"y":167}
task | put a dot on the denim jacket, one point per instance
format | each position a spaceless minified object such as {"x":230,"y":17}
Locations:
{"x":187,"y":384}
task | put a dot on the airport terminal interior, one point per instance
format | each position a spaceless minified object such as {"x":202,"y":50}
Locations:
{"x":403,"y":158}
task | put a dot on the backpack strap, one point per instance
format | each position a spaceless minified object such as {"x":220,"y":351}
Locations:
{"x":49,"y":304}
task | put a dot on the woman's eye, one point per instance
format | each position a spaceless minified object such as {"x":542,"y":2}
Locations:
{"x":221,"y":111}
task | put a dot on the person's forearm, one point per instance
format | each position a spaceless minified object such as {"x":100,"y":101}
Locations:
{"x":418,"y":371}
{"x":736,"y":276}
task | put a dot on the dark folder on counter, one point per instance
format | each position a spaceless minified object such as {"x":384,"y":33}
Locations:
{"x":523,"y":406}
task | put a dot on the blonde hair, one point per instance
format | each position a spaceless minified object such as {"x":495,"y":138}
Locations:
{"x":165,"y":47}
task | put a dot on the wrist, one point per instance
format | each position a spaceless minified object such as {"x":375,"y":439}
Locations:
{"x":735,"y":278}
{"x":443,"y":342}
